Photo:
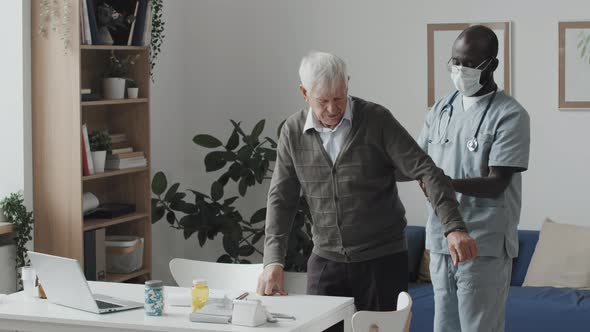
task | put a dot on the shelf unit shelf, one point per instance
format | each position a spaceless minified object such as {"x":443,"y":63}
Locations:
{"x":109,"y":174}
{"x":121,"y":277}
{"x":57,"y":118}
{"x":108,"y":102}
{"x":6,"y":228}
{"x":91,"y":224}
{"x":114,"y":48}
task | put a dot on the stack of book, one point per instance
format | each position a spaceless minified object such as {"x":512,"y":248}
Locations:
{"x":126,"y":160}
{"x":87,"y":95}
{"x":136,"y":33}
{"x":122,"y":155}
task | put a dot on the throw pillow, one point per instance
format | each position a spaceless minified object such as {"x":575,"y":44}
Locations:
{"x":424,"y":269}
{"x":561,"y":257}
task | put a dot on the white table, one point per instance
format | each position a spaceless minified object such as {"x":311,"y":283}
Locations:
{"x":313,"y":313}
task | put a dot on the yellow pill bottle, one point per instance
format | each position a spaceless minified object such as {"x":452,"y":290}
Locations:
{"x":199,"y":294}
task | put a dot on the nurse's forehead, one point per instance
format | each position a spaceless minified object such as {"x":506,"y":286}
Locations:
{"x":465,"y":48}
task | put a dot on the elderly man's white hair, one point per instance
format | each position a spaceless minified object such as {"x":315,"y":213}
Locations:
{"x":321,"y":70}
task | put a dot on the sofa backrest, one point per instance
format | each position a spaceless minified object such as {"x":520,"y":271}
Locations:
{"x":527,"y":241}
{"x":416,"y":237}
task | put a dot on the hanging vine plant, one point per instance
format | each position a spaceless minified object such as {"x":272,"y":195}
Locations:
{"x":57,"y":15}
{"x":157,"y":34}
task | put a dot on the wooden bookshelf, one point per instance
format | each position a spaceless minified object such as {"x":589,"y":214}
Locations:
{"x":6,"y":228}
{"x":57,"y":117}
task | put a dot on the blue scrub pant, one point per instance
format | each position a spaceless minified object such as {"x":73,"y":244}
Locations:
{"x":472,"y":296}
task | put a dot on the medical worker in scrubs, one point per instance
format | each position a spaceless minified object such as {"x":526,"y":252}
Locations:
{"x":479,"y":136}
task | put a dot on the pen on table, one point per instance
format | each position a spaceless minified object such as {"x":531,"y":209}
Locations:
{"x":242,"y":296}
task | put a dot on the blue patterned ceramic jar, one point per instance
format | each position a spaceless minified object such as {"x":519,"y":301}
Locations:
{"x":154,"y":298}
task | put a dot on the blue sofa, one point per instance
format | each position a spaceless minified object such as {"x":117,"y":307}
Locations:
{"x":536,"y":309}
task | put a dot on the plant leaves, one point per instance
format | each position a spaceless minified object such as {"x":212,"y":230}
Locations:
{"x":246,"y":250}
{"x":242,"y":187}
{"x":258,"y":128}
{"x":257,"y":237}
{"x":187,"y":232}
{"x":207,"y":141}
{"x":245,"y":153}
{"x":238,"y":128}
{"x":159,"y":183}
{"x":157,"y":213}
{"x":258,"y":216}
{"x":230,"y":201}
{"x":270,"y":154}
{"x":245,"y":261}
{"x":233,"y":140}
{"x":230,"y":245}
{"x":171,"y":217}
{"x":171,"y":192}
{"x":214,"y":161}
{"x":273,"y":144}
{"x":202,"y":237}
{"x":177,"y":197}
{"x":216,"y":191}
{"x":225,"y":259}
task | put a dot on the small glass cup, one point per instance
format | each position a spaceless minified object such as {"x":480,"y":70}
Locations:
{"x":29,"y":277}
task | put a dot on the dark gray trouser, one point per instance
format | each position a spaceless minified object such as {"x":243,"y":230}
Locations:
{"x":374,"y":284}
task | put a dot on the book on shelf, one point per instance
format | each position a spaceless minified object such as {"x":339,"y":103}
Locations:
{"x":141,"y":19}
{"x":118,"y":138}
{"x":147,"y":33}
{"x":130,"y":38}
{"x":86,"y":143}
{"x":111,"y":210}
{"x":119,"y":164}
{"x":86,"y":24}
{"x":93,"y":24}
{"x":122,"y":150}
{"x":85,"y":170}
{"x":126,"y":155}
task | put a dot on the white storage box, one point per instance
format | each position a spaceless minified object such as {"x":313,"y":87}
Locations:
{"x":124,"y":253}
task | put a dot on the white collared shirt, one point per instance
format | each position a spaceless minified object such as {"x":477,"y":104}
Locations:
{"x":332,"y":139}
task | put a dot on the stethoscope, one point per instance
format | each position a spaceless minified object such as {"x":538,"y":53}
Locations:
{"x":472,"y":144}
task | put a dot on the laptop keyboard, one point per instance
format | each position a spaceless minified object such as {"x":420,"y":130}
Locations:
{"x":106,"y":305}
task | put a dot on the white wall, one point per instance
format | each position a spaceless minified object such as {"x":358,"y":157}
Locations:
{"x":239,"y":59}
{"x":15,"y":126}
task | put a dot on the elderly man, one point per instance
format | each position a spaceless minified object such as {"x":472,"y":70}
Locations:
{"x":480,"y":137}
{"x":342,"y":154}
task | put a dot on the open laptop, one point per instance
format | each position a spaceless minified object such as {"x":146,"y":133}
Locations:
{"x":64,"y":284}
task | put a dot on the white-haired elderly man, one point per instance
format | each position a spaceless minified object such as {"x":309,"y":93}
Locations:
{"x":343,"y":154}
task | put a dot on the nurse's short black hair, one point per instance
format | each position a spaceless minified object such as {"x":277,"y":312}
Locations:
{"x":483,"y":35}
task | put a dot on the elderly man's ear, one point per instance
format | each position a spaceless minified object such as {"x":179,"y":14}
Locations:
{"x":303,"y":92}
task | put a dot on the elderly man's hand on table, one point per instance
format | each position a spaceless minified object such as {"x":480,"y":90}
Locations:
{"x":270,"y":281}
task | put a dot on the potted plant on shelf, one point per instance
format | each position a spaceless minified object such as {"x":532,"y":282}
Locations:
{"x":132,"y":89}
{"x":116,"y":75}
{"x":100,"y":144}
{"x":14,"y":210}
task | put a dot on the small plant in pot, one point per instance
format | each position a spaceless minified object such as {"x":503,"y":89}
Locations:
{"x":100,"y":145}
{"x":132,"y":89}
{"x":115,"y":76}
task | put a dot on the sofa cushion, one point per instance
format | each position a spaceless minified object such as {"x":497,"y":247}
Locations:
{"x":561,"y":257}
{"x":539,"y":309}
{"x":527,"y":240}
{"x":424,"y":269}
{"x":416,"y":237}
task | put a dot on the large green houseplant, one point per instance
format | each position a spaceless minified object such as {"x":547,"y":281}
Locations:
{"x":246,"y":161}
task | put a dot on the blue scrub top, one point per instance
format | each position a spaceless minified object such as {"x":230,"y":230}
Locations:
{"x":504,"y":140}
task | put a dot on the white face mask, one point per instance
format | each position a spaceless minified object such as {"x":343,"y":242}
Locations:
{"x":467,"y":79}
